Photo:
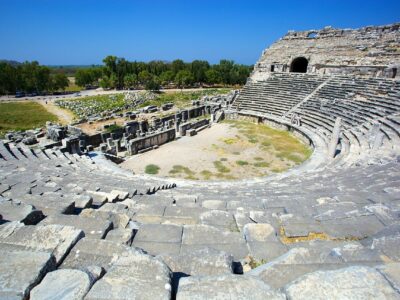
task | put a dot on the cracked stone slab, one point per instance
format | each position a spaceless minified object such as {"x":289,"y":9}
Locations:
{"x":121,"y":235}
{"x":206,"y":261}
{"x":134,"y":276}
{"x":93,"y":228}
{"x":55,"y":239}
{"x":347,"y":283}
{"x":94,"y":252}
{"x":260,"y":232}
{"x":19,"y":211}
{"x":164,"y":233}
{"x":21,"y":270}
{"x":239,"y":287}
{"x":62,"y":284}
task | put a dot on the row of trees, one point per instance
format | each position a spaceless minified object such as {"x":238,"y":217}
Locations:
{"x":29,"y":77}
{"x":122,"y":74}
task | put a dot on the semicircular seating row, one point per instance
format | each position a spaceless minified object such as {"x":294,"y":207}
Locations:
{"x":366,"y":106}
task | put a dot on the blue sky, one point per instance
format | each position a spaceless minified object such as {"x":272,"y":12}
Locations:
{"x":85,"y":31}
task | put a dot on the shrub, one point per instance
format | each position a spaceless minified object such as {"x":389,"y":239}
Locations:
{"x":241,"y":162}
{"x":152,"y":169}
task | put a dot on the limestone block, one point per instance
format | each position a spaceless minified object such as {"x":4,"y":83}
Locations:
{"x":94,"y":252}
{"x":121,"y":235}
{"x":238,"y":287}
{"x":55,"y":239}
{"x":348,"y":283}
{"x":91,"y":227}
{"x":18,"y":211}
{"x":21,"y":270}
{"x":63,"y":285}
{"x":134,"y":276}
{"x":203,"y":262}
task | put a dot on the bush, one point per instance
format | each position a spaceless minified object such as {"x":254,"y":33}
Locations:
{"x":242,"y":162}
{"x":151,"y":169}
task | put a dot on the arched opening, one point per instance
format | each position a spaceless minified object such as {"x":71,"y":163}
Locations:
{"x":272,"y":68}
{"x":394,"y":72}
{"x":299,"y":65}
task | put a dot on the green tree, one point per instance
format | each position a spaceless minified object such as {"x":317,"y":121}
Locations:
{"x":198,"y":69}
{"x":130,"y":80}
{"x":153,"y":84}
{"x":177,"y":65}
{"x":213,"y":76}
{"x":144,"y":77}
{"x":60,"y":81}
{"x":184,"y":78}
{"x":167,"y":77}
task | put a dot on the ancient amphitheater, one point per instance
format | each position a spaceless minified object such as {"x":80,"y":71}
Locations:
{"x":74,"y":228}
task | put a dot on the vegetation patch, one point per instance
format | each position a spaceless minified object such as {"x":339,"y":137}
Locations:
{"x":151,"y":169}
{"x":113,"y":128}
{"x":220,"y":167}
{"x":242,"y":163}
{"x":261,"y":164}
{"x":183,"y":98}
{"x":178,"y":169}
{"x":23,"y":116}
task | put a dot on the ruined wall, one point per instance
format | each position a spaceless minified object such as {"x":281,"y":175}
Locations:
{"x":368,"y":51}
{"x":156,"y":139}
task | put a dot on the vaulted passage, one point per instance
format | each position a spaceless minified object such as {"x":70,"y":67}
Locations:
{"x":299,"y":65}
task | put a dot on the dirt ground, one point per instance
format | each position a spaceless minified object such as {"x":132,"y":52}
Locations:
{"x":64,"y":116}
{"x":220,"y":152}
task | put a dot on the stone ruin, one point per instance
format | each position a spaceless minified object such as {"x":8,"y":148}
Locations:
{"x":76,"y":226}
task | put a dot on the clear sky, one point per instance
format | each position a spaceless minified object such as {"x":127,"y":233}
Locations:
{"x":85,"y":31}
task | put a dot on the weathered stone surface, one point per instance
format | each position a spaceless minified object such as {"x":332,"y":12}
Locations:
{"x":259,"y":233}
{"x":225,"y":287}
{"x":94,"y":252}
{"x":200,"y":263}
{"x":347,"y":283}
{"x":18,"y":211}
{"x":120,"y":235}
{"x":90,"y":226}
{"x":21,"y":270}
{"x":391,"y":272}
{"x":119,"y":220}
{"x":8,"y":228}
{"x":214,"y":204}
{"x":219,"y":218}
{"x":62,"y":284}
{"x":55,"y":239}
{"x":134,"y":276}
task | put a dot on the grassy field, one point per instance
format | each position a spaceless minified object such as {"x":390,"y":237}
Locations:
{"x":83,"y":107}
{"x":23,"y":116}
{"x":183,"y":98}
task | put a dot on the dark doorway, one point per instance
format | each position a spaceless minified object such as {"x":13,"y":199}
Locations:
{"x":272,"y":68}
{"x":394,"y":72}
{"x":299,"y":65}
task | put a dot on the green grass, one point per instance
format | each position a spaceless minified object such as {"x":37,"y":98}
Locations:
{"x":151,"y":169}
{"x":85,"y":106}
{"x":278,"y":142}
{"x":183,"y":98}
{"x":112,"y":128}
{"x":23,"y":116}
{"x":242,"y":162}
{"x":178,"y":169}
{"x":258,"y":158}
{"x":261,"y":164}
{"x":220,"y":167}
